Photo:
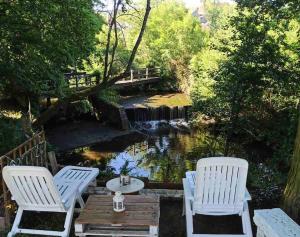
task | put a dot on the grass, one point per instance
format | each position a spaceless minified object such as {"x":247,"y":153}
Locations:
{"x":169,"y":100}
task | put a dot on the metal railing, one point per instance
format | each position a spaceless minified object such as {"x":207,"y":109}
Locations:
{"x":32,"y":152}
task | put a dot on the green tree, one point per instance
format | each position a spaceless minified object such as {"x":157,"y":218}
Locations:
{"x":252,"y":83}
{"x":292,"y":190}
{"x":39,"y":41}
{"x":172,"y":37}
{"x":205,"y":65}
{"x":108,"y":79}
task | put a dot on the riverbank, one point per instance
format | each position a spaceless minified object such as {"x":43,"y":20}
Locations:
{"x":155,"y":101}
{"x":76,"y":134}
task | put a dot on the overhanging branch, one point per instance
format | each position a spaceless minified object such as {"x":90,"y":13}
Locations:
{"x":61,"y":103}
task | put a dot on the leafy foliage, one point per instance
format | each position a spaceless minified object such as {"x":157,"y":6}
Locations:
{"x":110,"y":95}
{"x":125,"y":168}
{"x":173,"y":36}
{"x":11,"y":133}
{"x":40,"y":40}
{"x":254,"y":85}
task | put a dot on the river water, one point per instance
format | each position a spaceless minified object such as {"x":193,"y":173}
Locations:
{"x":163,"y":153}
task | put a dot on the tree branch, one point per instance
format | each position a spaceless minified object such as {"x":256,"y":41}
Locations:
{"x":111,"y":24}
{"x":140,"y":37}
{"x":113,"y":49}
{"x":51,"y":111}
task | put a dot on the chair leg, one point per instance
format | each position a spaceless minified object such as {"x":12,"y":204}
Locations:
{"x":80,"y":201}
{"x":68,"y":220}
{"x":247,"y":229}
{"x":189,"y":219}
{"x":183,"y":206}
{"x":15,"y":227}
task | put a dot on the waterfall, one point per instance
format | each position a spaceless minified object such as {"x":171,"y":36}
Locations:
{"x":159,"y":113}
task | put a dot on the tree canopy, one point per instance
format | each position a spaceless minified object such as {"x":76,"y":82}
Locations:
{"x":241,"y":67}
{"x":40,"y":40}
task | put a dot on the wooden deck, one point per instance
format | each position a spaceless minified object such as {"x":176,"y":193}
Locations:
{"x":140,"y":218}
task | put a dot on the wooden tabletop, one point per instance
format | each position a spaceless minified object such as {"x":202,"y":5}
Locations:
{"x":139,"y":211}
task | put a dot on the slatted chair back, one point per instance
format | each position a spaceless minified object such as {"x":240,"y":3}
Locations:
{"x":220,"y":186}
{"x":33,"y":188}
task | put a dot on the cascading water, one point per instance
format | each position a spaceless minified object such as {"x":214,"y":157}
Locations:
{"x":159,"y":117}
{"x":159,"y":113}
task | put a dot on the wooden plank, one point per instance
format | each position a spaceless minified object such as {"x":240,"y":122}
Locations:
{"x":128,"y":202}
{"x":111,"y":212}
{"x":140,"y":211}
{"x":120,"y":233}
{"x":129,"y":198}
{"x":111,"y":218}
{"x":114,"y":215}
{"x":121,"y":222}
{"x":146,"y":207}
{"x":151,"y":215}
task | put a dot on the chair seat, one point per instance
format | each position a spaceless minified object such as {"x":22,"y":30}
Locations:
{"x":217,"y":188}
{"x":35,"y":189}
{"x":191,"y":177}
{"x":74,"y":178}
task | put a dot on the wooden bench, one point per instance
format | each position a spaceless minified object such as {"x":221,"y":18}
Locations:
{"x":141,"y":217}
{"x":275,"y":223}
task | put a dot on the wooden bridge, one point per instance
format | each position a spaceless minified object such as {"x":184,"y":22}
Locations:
{"x":79,"y":81}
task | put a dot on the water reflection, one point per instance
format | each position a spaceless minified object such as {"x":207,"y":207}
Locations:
{"x":159,"y":157}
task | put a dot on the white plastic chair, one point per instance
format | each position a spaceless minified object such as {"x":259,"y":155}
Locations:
{"x":35,"y":189}
{"x":217,"y":187}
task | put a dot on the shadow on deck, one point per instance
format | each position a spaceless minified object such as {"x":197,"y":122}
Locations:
{"x":172,"y":223}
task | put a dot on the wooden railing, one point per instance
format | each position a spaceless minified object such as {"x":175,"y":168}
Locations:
{"x":142,"y":74}
{"x":32,"y":152}
{"x":79,"y":81}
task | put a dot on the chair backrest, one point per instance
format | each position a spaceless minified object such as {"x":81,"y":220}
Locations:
{"x":33,"y":188}
{"x":220,"y":185}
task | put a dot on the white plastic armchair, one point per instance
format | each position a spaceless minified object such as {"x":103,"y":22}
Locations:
{"x":217,"y":187}
{"x":35,"y":189}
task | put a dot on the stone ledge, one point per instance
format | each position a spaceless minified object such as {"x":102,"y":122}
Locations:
{"x":163,"y":193}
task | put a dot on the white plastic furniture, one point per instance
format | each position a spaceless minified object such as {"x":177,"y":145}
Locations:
{"x":217,"y":187}
{"x":275,"y":223}
{"x":134,"y":186}
{"x":35,"y":189}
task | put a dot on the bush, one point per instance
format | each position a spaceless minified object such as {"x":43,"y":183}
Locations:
{"x":11,"y":134}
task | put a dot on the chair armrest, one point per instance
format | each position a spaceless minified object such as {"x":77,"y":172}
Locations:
{"x":247,"y":195}
{"x":70,"y":192}
{"x":187,"y":190}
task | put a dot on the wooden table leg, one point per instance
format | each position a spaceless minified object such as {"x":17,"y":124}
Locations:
{"x":79,"y":228}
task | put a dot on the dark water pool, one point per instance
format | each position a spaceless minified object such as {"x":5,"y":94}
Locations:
{"x":159,"y":156}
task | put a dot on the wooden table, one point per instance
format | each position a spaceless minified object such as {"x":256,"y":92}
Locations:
{"x":140,"y":218}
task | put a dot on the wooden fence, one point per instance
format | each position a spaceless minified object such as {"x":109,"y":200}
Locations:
{"x":142,"y":74}
{"x":79,"y":81}
{"x":32,"y":152}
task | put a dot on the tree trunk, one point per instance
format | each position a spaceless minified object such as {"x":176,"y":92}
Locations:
{"x":52,"y":110}
{"x":235,"y":107}
{"x":292,"y":189}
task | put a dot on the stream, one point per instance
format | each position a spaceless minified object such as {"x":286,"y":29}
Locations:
{"x":163,"y":154}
